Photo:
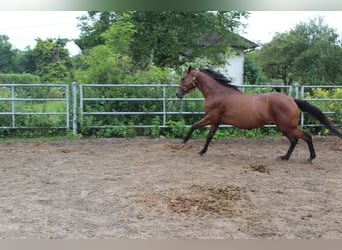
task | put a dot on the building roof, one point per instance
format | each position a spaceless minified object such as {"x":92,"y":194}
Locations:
{"x":237,"y":41}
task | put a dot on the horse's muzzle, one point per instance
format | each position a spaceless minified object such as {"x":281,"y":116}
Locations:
{"x":179,"y":95}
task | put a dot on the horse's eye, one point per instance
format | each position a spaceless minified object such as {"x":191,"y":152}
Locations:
{"x":182,"y":79}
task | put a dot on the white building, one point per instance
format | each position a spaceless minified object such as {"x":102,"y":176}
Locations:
{"x":233,"y":69}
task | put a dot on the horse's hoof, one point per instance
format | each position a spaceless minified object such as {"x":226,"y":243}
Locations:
{"x":309,"y":161}
{"x":201,"y":153}
{"x":283,"y":158}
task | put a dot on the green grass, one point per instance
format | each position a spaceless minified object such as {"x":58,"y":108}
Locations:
{"x":46,"y":106}
{"x":30,"y":135}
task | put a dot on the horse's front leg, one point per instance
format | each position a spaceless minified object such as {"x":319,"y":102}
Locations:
{"x":210,"y":136}
{"x":188,"y":135}
{"x":203,"y":122}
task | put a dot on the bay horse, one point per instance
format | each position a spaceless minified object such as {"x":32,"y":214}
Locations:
{"x":226,"y":104}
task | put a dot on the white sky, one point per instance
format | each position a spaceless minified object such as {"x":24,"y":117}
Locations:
{"x":23,"y":27}
{"x":263,"y":25}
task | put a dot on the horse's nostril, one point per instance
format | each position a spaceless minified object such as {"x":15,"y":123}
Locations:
{"x":179,"y":95}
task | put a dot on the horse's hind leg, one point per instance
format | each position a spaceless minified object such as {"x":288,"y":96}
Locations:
{"x":293,"y":142}
{"x":293,"y":137}
{"x":308,"y":140}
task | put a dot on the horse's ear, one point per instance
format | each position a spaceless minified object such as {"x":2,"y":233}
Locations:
{"x":189,"y":69}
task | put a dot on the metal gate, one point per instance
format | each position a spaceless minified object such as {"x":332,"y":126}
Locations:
{"x":34,"y":106}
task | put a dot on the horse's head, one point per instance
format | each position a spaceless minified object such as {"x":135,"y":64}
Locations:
{"x":187,"y":83}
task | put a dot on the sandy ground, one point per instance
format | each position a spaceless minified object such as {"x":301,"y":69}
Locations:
{"x":155,"y":188}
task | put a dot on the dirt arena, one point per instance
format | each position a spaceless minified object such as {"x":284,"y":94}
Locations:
{"x":155,"y":188}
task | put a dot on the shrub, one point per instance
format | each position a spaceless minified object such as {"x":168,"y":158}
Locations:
{"x":19,"y":79}
{"x":325,"y":106}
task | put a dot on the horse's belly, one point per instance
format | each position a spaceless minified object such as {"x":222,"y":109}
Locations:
{"x":248,"y":124}
{"x":247,"y":120}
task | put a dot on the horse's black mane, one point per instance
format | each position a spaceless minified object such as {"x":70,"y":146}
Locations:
{"x":219,"y":78}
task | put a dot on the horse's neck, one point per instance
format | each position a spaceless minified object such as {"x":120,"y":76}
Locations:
{"x":209,"y":87}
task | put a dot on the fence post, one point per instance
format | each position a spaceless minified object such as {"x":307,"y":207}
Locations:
{"x":299,"y":90}
{"x":302,"y":121}
{"x":296,"y":84}
{"x":13,"y":106}
{"x":74,"y":109}
{"x":164,"y":105}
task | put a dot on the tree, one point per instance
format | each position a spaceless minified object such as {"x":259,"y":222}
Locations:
{"x":323,"y":52}
{"x":7,"y":58}
{"x":167,"y":38}
{"x":309,"y":53}
{"x":52,"y":61}
{"x":92,"y":26}
{"x":252,"y":72}
{"x":109,"y":62}
{"x":277,"y":58}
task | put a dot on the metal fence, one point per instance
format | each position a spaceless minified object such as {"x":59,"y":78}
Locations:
{"x":52,"y":106}
{"x":34,"y":106}
{"x":330,"y":98}
{"x":165,"y":95}
{"x":162,"y":95}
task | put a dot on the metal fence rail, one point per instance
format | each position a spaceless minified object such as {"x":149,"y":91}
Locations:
{"x":19,"y":102}
{"x":96,"y":101}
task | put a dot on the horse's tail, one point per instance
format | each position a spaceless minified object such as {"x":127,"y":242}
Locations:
{"x":318,"y":114}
